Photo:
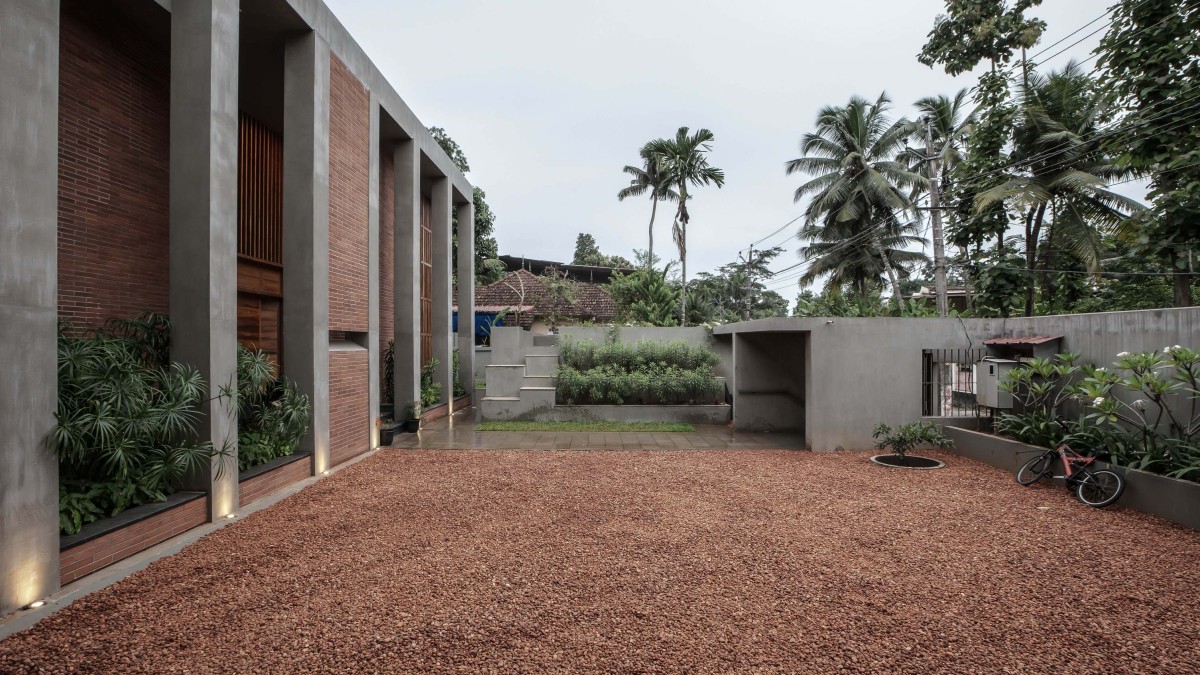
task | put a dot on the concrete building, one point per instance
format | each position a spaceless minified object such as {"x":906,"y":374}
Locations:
{"x":241,"y":166}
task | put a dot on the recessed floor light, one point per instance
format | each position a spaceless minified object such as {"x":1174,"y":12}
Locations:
{"x":230,"y":515}
{"x":37,"y":603}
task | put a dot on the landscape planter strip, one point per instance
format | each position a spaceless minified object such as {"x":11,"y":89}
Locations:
{"x":271,"y":465}
{"x":126,"y":518}
{"x":1171,"y":498}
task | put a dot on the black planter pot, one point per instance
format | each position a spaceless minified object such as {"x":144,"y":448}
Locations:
{"x":411,"y":426}
{"x":386,"y":433}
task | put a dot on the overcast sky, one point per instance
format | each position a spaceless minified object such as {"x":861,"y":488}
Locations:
{"x":550,"y":99}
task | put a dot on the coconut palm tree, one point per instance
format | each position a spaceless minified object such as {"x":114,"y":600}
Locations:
{"x":858,"y":266}
{"x":684,"y":159}
{"x":860,"y":185}
{"x":1060,"y":175}
{"x":648,"y":178}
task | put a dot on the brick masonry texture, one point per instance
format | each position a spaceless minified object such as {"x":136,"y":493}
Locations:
{"x":349,"y":408}
{"x":349,"y":177}
{"x":264,"y":484}
{"x":114,"y":150}
{"x":101,"y":552}
{"x":387,"y":232}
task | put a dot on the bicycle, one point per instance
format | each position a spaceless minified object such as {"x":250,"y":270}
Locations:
{"x":1095,"y":487}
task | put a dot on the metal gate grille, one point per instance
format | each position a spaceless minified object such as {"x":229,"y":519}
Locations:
{"x":948,"y":382}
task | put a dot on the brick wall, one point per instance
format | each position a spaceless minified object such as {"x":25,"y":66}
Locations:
{"x":113,"y":155}
{"x":349,"y":176}
{"x":264,"y":484}
{"x":387,"y":232}
{"x":349,"y":407}
{"x":101,"y":552}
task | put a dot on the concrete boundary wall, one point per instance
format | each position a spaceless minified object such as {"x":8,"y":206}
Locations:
{"x":863,"y":371}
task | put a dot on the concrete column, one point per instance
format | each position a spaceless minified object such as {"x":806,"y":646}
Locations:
{"x":466,"y":296}
{"x":28,"y":300}
{"x":203,"y":212}
{"x":443,"y":283}
{"x":407,"y":277}
{"x":306,"y":231}
{"x":373,"y":356}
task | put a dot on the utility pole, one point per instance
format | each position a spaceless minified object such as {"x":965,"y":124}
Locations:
{"x":935,"y":211}
{"x":749,"y":281}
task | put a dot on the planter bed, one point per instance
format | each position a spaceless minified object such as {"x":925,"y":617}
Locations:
{"x":260,"y":481}
{"x":690,"y":414}
{"x":437,"y":412}
{"x":131,"y":531}
{"x":1176,"y":500}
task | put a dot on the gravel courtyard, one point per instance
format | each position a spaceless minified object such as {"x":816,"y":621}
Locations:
{"x":650,"y":561}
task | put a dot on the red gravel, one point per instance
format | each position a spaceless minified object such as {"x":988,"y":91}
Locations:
{"x":650,"y":561}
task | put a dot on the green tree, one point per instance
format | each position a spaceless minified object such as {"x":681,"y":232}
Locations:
{"x":588,"y":253}
{"x":684,"y":159}
{"x":970,"y":32}
{"x":858,"y":193}
{"x":1059,"y":174}
{"x":485,"y":219}
{"x":650,"y":179}
{"x":1148,"y":66}
{"x":645,"y":296}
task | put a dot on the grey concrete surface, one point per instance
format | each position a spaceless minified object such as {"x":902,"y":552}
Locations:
{"x":443,"y":287}
{"x":465,"y":232}
{"x":306,"y":231}
{"x":407,"y":278}
{"x":203,"y":221}
{"x":483,"y":359}
{"x":769,"y":381}
{"x":374,"y":358}
{"x":322,"y":20}
{"x":635,"y":334}
{"x":28,"y":300}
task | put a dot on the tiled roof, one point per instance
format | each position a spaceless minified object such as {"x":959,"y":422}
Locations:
{"x":591,"y":303}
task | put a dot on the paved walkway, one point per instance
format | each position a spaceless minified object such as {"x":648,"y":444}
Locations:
{"x":458,"y":432}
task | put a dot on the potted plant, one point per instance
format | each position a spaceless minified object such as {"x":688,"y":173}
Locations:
{"x":386,"y":432}
{"x":904,"y":439}
{"x":413,"y":423}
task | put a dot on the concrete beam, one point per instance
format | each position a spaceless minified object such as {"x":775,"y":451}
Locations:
{"x":28,"y":300}
{"x":373,"y":355}
{"x":306,"y":231}
{"x":466,"y":296}
{"x":407,"y":277}
{"x":203,"y":213}
{"x":443,"y":269}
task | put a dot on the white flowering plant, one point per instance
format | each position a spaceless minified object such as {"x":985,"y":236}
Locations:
{"x":1155,"y":396}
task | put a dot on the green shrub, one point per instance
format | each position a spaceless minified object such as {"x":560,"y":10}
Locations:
{"x":125,"y":431}
{"x":273,"y":415}
{"x":648,"y":373}
{"x":431,"y":390}
{"x":909,"y":436}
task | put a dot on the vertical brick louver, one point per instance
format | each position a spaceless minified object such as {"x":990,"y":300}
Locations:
{"x":387,"y":237}
{"x":349,"y":184}
{"x":113,"y":161}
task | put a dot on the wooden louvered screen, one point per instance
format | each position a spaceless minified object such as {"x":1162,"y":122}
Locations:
{"x":426,"y":280}
{"x":260,"y":238}
{"x":260,"y":192}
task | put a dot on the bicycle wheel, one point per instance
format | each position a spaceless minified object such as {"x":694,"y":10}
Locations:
{"x":1099,"y":488}
{"x":1035,"y":469}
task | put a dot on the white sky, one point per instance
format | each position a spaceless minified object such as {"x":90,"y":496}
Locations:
{"x":550,"y":99}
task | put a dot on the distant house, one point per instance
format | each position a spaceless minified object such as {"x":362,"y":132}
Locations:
{"x":592,"y":274}
{"x":525,"y":300}
{"x":956,"y":297}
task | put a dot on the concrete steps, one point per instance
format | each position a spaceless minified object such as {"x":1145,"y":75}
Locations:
{"x":541,"y":365}
{"x":504,"y":381}
{"x":537,"y":382}
{"x":537,"y":397}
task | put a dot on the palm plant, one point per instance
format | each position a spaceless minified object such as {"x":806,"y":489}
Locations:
{"x":649,"y":178}
{"x":859,"y":266}
{"x":950,"y":123}
{"x":1061,"y":174}
{"x":860,"y":186}
{"x":684,"y":159}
